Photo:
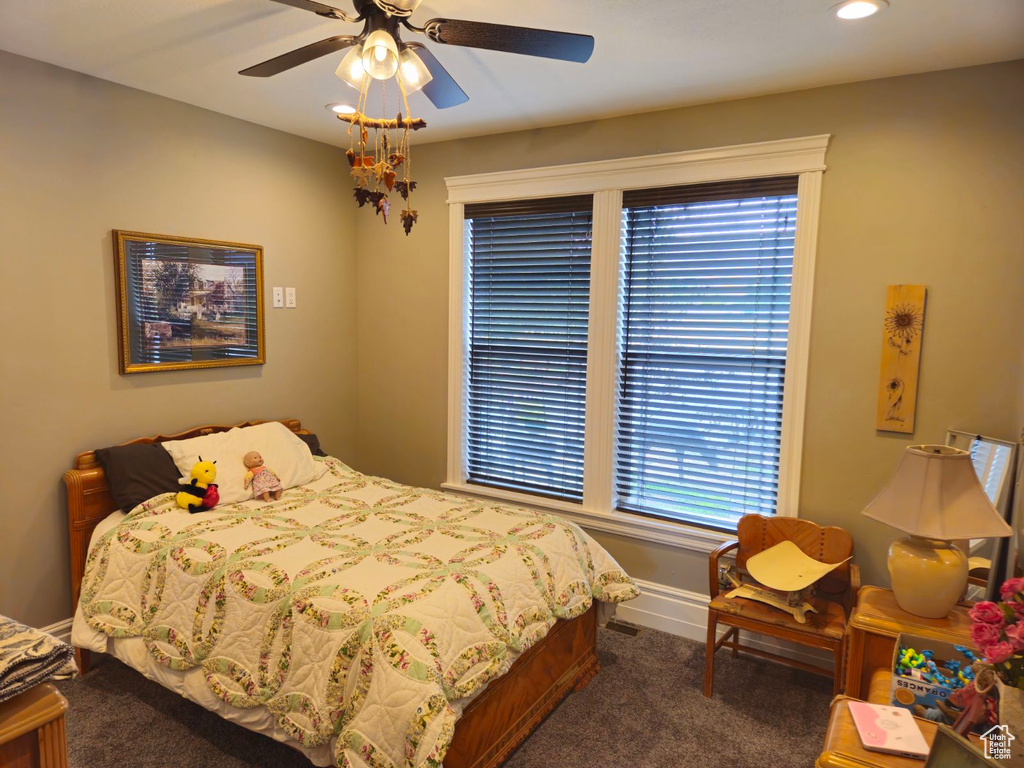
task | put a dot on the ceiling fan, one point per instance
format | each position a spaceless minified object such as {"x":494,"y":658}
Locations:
{"x":378,"y":51}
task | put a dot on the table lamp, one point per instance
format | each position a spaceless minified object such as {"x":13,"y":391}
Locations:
{"x":936,"y":497}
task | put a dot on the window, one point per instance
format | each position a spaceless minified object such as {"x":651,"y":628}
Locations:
{"x":527,"y":378}
{"x":704,"y":326}
{"x":629,"y":337}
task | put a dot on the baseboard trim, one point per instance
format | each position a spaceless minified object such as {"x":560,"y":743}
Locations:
{"x":61,"y":630}
{"x":685,"y":613}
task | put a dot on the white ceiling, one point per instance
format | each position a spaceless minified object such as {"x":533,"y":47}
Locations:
{"x":650,"y":54}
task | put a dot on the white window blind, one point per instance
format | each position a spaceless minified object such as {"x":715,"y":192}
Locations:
{"x":529,"y":289}
{"x":703,"y":328}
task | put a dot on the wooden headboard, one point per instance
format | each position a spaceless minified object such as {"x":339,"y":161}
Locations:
{"x":89,"y":499}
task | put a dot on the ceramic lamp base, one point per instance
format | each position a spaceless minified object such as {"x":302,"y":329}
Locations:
{"x":928,"y":576}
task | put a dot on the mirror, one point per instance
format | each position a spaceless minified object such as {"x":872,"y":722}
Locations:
{"x":994,"y":462}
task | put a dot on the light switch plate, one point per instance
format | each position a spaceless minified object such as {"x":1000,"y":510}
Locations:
{"x":278,"y":297}
{"x":289,"y":298}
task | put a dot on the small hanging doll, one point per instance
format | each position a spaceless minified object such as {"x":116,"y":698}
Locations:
{"x":263,"y":480}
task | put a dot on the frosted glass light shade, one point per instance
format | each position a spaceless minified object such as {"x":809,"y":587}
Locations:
{"x":351,"y":68}
{"x":380,"y":55}
{"x":935,"y":493}
{"x":413,"y":71}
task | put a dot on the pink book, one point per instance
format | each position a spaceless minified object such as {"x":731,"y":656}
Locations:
{"x":888,"y":729}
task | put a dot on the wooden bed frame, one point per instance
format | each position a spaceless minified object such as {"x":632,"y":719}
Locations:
{"x":491,"y":727}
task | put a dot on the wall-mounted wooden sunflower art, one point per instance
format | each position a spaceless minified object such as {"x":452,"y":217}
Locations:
{"x":902,"y":329}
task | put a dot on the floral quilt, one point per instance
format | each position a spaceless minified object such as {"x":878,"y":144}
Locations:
{"x":356,"y":610}
{"x":29,"y":657}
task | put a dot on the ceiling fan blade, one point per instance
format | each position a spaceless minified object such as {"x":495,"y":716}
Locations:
{"x":318,"y":8}
{"x":442,"y":90}
{"x":299,"y":56}
{"x":565,"y":46}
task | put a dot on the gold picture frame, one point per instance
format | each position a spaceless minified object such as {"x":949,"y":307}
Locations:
{"x":187,"y":303}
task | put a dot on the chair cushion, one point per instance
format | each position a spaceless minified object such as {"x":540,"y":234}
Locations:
{"x":830,"y":620}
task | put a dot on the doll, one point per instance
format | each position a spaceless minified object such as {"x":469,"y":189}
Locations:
{"x":264,"y":482}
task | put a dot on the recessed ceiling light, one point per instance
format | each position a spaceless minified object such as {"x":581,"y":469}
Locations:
{"x":859,"y":9}
{"x":341,"y":109}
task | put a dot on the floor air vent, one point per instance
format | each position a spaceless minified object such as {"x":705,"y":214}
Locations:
{"x":625,"y":629}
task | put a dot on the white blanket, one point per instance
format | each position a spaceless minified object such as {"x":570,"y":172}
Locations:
{"x":358,"y":613}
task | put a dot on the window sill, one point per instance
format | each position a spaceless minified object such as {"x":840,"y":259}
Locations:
{"x":664,"y":532}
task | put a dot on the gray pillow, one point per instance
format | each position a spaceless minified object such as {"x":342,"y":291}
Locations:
{"x":313,"y":442}
{"x":138,"y":472}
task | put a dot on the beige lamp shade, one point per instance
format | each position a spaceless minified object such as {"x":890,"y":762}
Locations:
{"x":935,"y":493}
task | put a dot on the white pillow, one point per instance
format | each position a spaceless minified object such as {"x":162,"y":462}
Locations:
{"x":282,"y":452}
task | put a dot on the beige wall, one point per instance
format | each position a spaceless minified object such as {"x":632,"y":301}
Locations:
{"x":925,"y":185}
{"x":79,"y":157}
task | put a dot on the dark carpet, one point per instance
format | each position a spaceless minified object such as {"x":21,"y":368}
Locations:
{"x":645,"y":709}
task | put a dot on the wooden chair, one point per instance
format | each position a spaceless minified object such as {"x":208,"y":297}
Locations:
{"x":834,"y":598}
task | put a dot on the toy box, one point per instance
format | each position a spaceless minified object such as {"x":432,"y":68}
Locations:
{"x":909,"y":690}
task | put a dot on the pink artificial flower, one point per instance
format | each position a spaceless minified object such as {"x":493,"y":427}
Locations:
{"x":1015,"y":634}
{"x":997,"y":653}
{"x":987,"y":612}
{"x":1011,"y":588}
{"x":985,"y":634}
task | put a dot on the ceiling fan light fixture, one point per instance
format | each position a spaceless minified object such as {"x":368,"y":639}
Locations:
{"x":412,"y":71}
{"x":351,"y":68}
{"x":859,"y":9}
{"x":380,"y":55}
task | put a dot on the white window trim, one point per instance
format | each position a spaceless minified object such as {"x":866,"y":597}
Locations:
{"x":606,"y":180}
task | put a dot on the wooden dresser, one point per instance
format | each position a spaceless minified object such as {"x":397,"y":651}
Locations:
{"x":32,"y":729}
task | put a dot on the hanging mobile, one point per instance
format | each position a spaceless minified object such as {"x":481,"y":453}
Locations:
{"x":376,"y":173}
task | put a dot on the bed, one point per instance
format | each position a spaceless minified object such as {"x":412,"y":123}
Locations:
{"x":422,"y":701}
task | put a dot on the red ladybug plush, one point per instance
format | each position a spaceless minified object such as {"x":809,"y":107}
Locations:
{"x":211,"y":497}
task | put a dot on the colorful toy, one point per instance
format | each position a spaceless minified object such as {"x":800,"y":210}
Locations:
{"x":967,"y":652}
{"x":201,"y":492}
{"x":911,"y":659}
{"x":263,"y":480}
{"x":933,"y":675}
{"x":919,"y":665}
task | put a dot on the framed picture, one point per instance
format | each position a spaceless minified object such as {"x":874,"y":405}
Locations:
{"x":184,"y":303}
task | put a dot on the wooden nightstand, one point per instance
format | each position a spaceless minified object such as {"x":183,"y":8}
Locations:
{"x":32,"y":729}
{"x":843,"y":747}
{"x":873,"y":627}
